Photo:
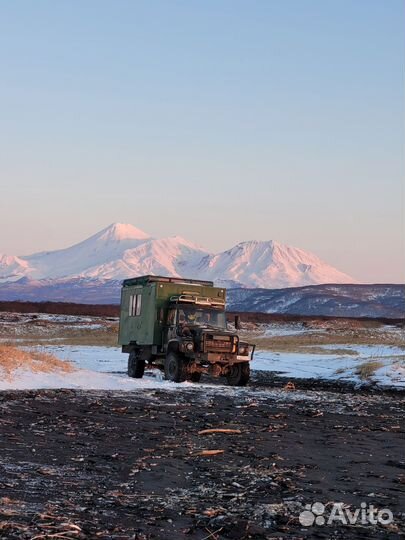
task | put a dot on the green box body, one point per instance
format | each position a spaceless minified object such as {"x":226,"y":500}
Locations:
{"x":146,"y":327}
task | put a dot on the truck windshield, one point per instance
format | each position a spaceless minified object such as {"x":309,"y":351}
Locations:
{"x":192,"y":315}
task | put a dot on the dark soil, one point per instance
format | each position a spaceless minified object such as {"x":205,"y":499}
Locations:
{"x":126,"y":465}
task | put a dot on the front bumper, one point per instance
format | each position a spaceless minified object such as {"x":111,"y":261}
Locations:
{"x":222,"y":358}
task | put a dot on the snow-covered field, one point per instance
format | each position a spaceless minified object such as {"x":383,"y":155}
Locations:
{"x":294,"y":365}
{"x":80,"y":379}
{"x":390,"y":365}
{"x":104,"y":368}
{"x":289,"y":350}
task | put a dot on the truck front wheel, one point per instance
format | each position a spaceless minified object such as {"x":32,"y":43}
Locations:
{"x":174,"y":368}
{"x":136,"y":366}
{"x":239,"y":374}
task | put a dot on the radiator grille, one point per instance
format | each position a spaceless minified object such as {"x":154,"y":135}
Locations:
{"x":219,"y":344}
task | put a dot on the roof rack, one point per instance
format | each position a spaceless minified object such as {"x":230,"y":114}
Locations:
{"x":143,"y":280}
{"x":198,"y":300}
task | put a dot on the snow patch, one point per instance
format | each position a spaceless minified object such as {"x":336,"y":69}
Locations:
{"x":337,"y":367}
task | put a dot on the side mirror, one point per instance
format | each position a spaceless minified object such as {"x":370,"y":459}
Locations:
{"x":237,"y":322}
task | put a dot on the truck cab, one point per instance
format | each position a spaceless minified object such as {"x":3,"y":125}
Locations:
{"x":179,"y":325}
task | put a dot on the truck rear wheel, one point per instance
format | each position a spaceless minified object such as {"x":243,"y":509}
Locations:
{"x":136,"y":366}
{"x":174,"y":368}
{"x":239,"y":374}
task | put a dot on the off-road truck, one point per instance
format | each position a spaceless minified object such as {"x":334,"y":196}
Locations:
{"x":179,"y":326}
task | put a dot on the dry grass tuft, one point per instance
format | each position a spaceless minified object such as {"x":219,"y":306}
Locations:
{"x":367,"y":369}
{"x":12,"y":358}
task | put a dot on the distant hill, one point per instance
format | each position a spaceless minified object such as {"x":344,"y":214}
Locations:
{"x":332,"y":300}
{"x":336,"y":300}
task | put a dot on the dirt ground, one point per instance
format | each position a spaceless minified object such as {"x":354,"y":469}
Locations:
{"x":309,"y":336}
{"x":315,"y":335}
{"x":115,"y":465}
{"x":40,"y":329}
{"x":124,"y":465}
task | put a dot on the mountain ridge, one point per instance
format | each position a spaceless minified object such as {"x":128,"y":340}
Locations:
{"x":121,"y":250}
{"x":337,"y":300}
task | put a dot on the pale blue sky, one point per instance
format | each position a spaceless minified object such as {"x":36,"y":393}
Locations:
{"x":220,"y":121}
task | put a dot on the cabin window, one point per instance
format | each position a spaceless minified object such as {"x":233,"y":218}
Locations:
{"x":135,"y":305}
{"x":171,"y":317}
{"x":138,"y":305}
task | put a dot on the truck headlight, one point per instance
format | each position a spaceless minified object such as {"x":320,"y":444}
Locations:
{"x":189,"y":346}
{"x":243,"y":349}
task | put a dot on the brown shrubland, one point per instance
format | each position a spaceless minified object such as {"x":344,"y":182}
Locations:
{"x":13,"y":358}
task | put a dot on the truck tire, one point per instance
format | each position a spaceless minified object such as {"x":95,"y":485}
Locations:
{"x":239,"y":374}
{"x":174,"y":368}
{"x":136,"y":366}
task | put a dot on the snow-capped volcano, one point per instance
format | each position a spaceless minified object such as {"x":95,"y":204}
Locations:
{"x":120,"y":251}
{"x":258,"y":264}
{"x":172,"y":256}
{"x":103,"y":247}
{"x":12,"y":268}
